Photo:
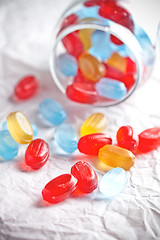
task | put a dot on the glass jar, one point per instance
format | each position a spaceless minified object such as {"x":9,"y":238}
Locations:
{"x":99,"y":53}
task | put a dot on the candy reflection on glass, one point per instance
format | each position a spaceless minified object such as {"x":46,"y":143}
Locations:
{"x":91,"y":144}
{"x":110,"y":88}
{"x":86,"y":176}
{"x":66,"y":137}
{"x":37,"y":154}
{"x":67,"y":65}
{"x":96,"y":123}
{"x":20,"y":127}
{"x":59,"y":188}
{"x":114,"y":156}
{"x":113,"y":182}
{"x":26,"y":88}
{"x":8,"y":146}
{"x":52,"y":111}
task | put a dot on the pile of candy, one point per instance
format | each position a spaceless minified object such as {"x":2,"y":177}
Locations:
{"x":95,"y":65}
{"x":117,"y":159}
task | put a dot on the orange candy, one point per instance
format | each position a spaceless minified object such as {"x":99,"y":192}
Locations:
{"x":85,"y":37}
{"x":91,"y":68}
{"x":118,"y":62}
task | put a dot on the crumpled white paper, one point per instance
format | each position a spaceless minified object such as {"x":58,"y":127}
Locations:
{"x":25,"y":34}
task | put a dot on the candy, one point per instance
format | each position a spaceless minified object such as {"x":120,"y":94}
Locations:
{"x":67,"y":65}
{"x":52,"y":111}
{"x":59,"y":189}
{"x":85,"y":37}
{"x":4,"y":125}
{"x":26,"y":88}
{"x":91,"y":3}
{"x":69,"y":20}
{"x":113,"y":182}
{"x":131,"y":66}
{"x":128,"y":80}
{"x":37,"y":154}
{"x":118,"y":62}
{"x":8,"y":147}
{"x":110,"y":88}
{"x":149,"y":139}
{"x":82,"y":92}
{"x":88,"y":12}
{"x":114,"y":156}
{"x":96,"y":123}
{"x":35,"y":130}
{"x":66,"y":137}
{"x":86,"y":176}
{"x":125,"y":138}
{"x":20,"y":127}
{"x":91,"y":144}
{"x":91,"y":68}
{"x":73,"y":44}
{"x":101,"y":47}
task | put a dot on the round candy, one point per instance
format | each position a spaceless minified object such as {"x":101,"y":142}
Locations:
{"x":59,"y":188}
{"x":91,"y":144}
{"x":20,"y":127}
{"x":66,"y":137}
{"x":114,"y":156}
{"x":8,"y":147}
{"x":96,"y":123}
{"x":52,"y":111}
{"x":113,"y":182}
{"x":91,"y":68}
{"x":67,"y":65}
{"x":26,"y":88}
{"x":37,"y":154}
{"x":86,"y":176}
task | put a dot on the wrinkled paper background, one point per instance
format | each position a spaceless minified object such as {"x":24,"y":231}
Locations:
{"x":25,"y":34}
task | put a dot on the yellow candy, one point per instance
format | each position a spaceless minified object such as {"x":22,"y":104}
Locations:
{"x":114,"y":156}
{"x":20,"y":127}
{"x":85,"y":37}
{"x":96,"y":123}
{"x":118,"y":62}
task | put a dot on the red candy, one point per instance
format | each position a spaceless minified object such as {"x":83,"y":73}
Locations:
{"x":125,"y":138}
{"x":37,"y":154}
{"x":91,"y":144}
{"x":149,"y":139}
{"x":73,"y":44}
{"x":69,"y":20}
{"x":92,"y":3}
{"x":128,"y":80}
{"x":59,"y":188}
{"x":82,"y":92}
{"x":26,"y":88}
{"x":86,"y":176}
{"x":131,"y":66}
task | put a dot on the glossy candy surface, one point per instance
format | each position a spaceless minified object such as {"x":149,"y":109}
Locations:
{"x":91,"y":68}
{"x":85,"y":37}
{"x":20,"y":127}
{"x":37,"y":154}
{"x":114,"y":156}
{"x":67,"y":65}
{"x":125,"y":138}
{"x":82,"y":92}
{"x":118,"y":62}
{"x":91,"y":144}
{"x":113,"y":182}
{"x":52,"y":111}
{"x":8,"y":147}
{"x":26,"y":88}
{"x":110,"y":88}
{"x":66,"y":137}
{"x":60,"y":188}
{"x":86,"y":176}
{"x":149,"y":139}
{"x":96,"y":123}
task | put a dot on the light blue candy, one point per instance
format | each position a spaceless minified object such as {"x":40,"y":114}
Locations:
{"x":88,"y":12}
{"x":101,"y":46}
{"x":8,"y":147}
{"x":67,"y":65}
{"x":35,"y":130}
{"x":66,"y":137}
{"x":113,"y":182}
{"x":110,"y":88}
{"x":4,"y":125}
{"x":123,"y":50}
{"x":52,"y":111}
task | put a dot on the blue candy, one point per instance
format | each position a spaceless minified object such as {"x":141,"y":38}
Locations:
{"x":113,"y":182}
{"x":101,"y":46}
{"x":123,"y":50}
{"x":35,"y":130}
{"x":52,"y":111}
{"x":66,"y":138}
{"x":4,"y":125}
{"x":110,"y":88}
{"x":67,"y":65}
{"x":8,"y":147}
{"x":88,"y":12}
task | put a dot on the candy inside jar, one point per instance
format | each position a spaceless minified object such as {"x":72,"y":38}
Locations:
{"x":98,"y":56}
